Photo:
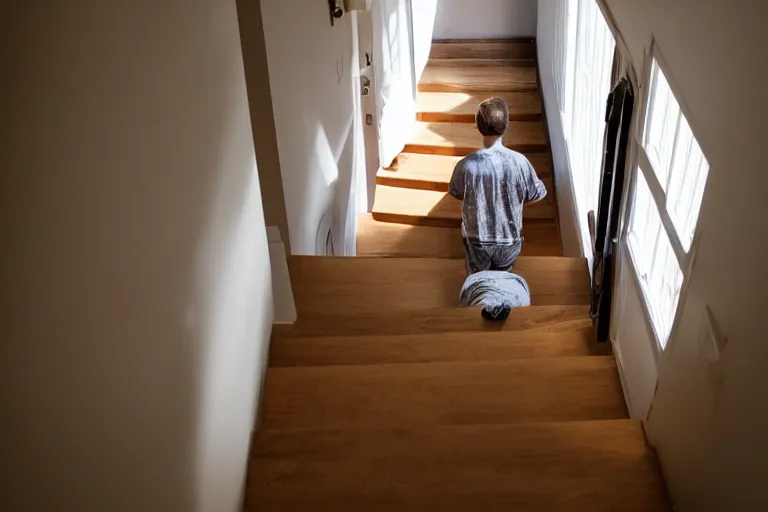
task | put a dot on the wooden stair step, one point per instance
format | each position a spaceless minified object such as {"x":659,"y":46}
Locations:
{"x":353,"y":285}
{"x":432,"y":208}
{"x":461,"y":139}
{"x":339,"y":322}
{"x":460,"y":107}
{"x":427,"y":348}
{"x":387,"y":239}
{"x":444,"y":393}
{"x":414,"y":206}
{"x":390,"y":239}
{"x":433,"y":172}
{"x":595,"y":466}
{"x":514,"y":48}
{"x":488,"y":62}
{"x":458,"y":77}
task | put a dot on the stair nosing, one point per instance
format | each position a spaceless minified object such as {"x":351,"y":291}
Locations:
{"x":609,"y":360}
{"x":445,"y":426}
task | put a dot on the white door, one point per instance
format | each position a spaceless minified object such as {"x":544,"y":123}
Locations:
{"x":395,"y":79}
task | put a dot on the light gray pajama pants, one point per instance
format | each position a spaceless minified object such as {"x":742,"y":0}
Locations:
{"x":480,"y":256}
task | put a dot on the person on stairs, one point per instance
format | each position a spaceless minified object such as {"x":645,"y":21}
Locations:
{"x":496,"y":291}
{"x":493,"y":184}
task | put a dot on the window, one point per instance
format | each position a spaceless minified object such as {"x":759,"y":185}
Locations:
{"x":584,"y":48}
{"x":656,"y":264}
{"x":669,"y":187}
{"x":675,"y":156}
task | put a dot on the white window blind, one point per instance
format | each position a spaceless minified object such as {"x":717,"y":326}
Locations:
{"x":669,"y":188}
{"x":592,"y":84}
{"x":558,"y":58}
{"x":565,"y":46}
{"x":584,"y":48}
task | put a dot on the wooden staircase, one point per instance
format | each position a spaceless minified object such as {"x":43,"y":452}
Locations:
{"x":385,"y":396}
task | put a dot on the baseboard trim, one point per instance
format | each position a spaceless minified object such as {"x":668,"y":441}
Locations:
{"x":282,"y":293}
{"x":622,"y":377}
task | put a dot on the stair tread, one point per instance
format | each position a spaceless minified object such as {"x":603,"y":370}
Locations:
{"x":482,"y":62}
{"x":353,"y":285}
{"x":596,"y":466}
{"x":560,"y":318}
{"x":424,"y":348}
{"x":433,"y":172}
{"x":430,"y":207}
{"x":444,"y":393}
{"x":519,"y":48}
{"x":460,"y":139}
{"x":461,"y":106}
{"x":445,"y":77}
{"x":390,"y":239}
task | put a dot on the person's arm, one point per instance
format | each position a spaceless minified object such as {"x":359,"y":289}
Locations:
{"x":534,"y":188}
{"x":456,"y":187}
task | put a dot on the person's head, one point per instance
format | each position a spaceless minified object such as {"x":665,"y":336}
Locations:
{"x":492,"y":117}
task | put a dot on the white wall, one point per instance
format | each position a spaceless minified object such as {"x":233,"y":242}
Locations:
{"x":313,"y":73}
{"x":462,"y":19}
{"x":267,"y":155}
{"x":136,"y":289}
{"x":262,"y":118}
{"x":633,"y":341}
{"x":709,"y":423}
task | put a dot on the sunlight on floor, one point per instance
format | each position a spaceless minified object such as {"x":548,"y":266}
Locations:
{"x":452,"y":100}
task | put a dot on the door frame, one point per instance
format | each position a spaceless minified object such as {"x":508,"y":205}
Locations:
{"x":369,"y":107}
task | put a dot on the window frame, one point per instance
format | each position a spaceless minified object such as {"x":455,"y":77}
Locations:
{"x":640,"y":162}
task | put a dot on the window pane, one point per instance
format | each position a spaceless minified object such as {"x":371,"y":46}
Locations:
{"x":593,"y":56}
{"x":570,"y":64}
{"x":688,"y":175}
{"x":645,"y":226}
{"x":675,"y":156}
{"x":661,"y":125}
{"x":658,"y":270}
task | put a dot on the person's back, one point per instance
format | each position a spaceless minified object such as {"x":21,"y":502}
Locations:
{"x":494,"y":183}
{"x":498,"y":293}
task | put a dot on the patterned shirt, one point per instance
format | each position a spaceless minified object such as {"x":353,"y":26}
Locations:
{"x":493,"y":184}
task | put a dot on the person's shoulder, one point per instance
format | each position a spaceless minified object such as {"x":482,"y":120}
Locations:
{"x":473,"y":156}
{"x":470,"y":161}
{"x":518,"y":159}
{"x":514,"y":155}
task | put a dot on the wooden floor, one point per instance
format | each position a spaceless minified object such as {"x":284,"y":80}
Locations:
{"x":384,"y":396}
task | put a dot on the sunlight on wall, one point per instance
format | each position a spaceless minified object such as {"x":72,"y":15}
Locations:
{"x":313,"y":69}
